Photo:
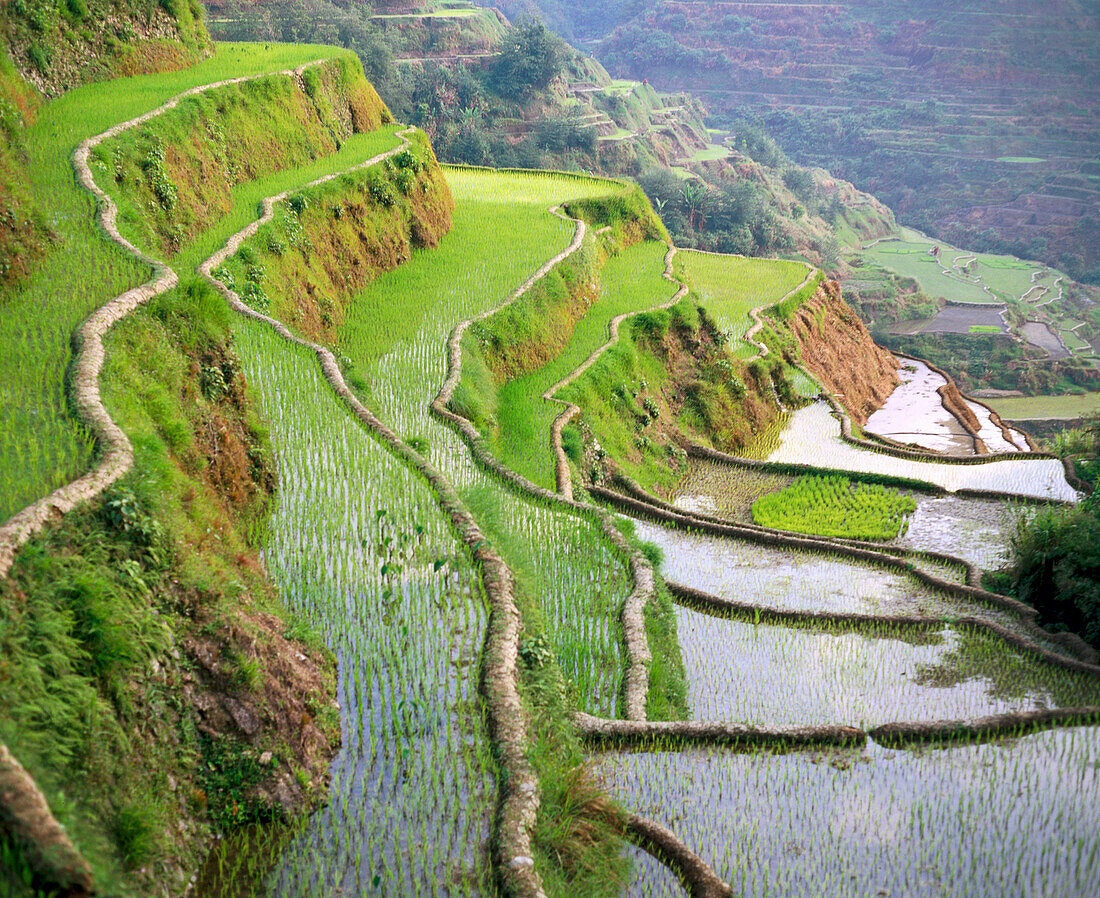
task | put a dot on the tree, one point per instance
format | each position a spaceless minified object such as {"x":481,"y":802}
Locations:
{"x":530,"y":58}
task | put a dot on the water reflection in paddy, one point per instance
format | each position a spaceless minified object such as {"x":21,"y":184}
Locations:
{"x":914,"y":413}
{"x":799,"y":581}
{"x":1016,"y":817}
{"x":771,"y":674}
{"x":976,"y":530}
{"x":812,"y":436}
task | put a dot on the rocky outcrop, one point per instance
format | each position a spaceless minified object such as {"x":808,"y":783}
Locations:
{"x":838,"y":350}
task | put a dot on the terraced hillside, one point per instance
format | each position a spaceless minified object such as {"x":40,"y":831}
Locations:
{"x":975,"y":122}
{"x":382,"y":463}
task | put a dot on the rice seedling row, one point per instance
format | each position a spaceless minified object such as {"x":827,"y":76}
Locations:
{"x":834,"y":506}
{"x":46,"y":447}
{"x":974,"y":530}
{"x":1014,"y":816}
{"x":397,"y":341}
{"x":361,"y":550}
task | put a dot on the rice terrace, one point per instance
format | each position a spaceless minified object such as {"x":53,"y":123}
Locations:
{"x":432,"y":466}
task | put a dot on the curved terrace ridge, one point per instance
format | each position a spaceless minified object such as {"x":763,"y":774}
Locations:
{"x":508,"y":721}
{"x":116,"y":451}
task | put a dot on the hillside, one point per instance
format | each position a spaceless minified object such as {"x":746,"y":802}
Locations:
{"x":976,"y":124}
{"x":546,"y":105}
{"x":377,"y":525}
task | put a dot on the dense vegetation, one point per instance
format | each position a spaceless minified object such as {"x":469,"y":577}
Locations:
{"x":162,"y":684}
{"x":954,"y":117}
{"x":834,"y":506}
{"x":984,"y":361}
{"x":1055,"y":563}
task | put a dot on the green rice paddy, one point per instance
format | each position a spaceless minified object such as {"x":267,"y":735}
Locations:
{"x":834,"y":506}
{"x":731,"y":286}
{"x":43,"y":447}
{"x":1022,"y":408}
{"x":359,"y":548}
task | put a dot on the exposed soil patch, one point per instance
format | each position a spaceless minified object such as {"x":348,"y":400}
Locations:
{"x":840,"y":353}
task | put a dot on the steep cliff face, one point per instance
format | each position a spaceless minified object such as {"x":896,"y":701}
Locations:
{"x":837,"y":348}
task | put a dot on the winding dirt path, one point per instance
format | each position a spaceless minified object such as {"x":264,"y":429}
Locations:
{"x":116,"y":454}
{"x":632,"y":617}
{"x":570,"y":411}
{"x":26,"y":810}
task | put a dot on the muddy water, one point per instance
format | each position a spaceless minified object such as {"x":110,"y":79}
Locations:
{"x":914,"y":413}
{"x":1040,"y":335}
{"x":812,"y":436}
{"x":976,"y":530}
{"x":993,"y":436}
{"x":1015,"y":817}
{"x":797,"y":581}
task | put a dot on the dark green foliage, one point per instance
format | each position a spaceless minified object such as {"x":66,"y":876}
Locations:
{"x":1056,"y":553}
{"x":735,"y":217}
{"x":530,"y":58}
{"x":982,"y":361}
{"x":1056,"y":567}
{"x":137,"y":829}
{"x":230,"y":771}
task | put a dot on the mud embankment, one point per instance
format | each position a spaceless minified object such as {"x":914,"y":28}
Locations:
{"x":840,"y":353}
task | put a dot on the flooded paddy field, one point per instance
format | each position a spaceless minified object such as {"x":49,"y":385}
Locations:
{"x":975,"y":530}
{"x":743,"y":571}
{"x":862,"y":675}
{"x":1039,"y":334}
{"x":914,"y":413}
{"x":1010,"y":817}
{"x":955,"y":319}
{"x":812,"y":436}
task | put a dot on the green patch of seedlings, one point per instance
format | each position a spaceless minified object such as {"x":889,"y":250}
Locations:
{"x":834,"y":506}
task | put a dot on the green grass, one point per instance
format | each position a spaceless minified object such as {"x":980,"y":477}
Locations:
{"x":710,"y":153}
{"x":833,"y":506}
{"x":43,"y":447}
{"x":1020,"y":159}
{"x":909,"y":257}
{"x":630,"y":281}
{"x":1037,"y":407}
{"x":730,"y":286}
{"x":984,"y":329}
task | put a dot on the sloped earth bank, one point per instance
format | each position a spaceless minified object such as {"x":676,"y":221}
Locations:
{"x":545,"y":552}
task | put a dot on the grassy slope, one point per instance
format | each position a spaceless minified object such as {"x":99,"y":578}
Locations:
{"x":102,"y":595}
{"x":630,"y":281}
{"x":43,"y":448}
{"x":388,"y":325}
{"x":730,"y":286}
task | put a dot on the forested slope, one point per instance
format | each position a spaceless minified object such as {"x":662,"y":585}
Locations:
{"x":975,"y":122}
